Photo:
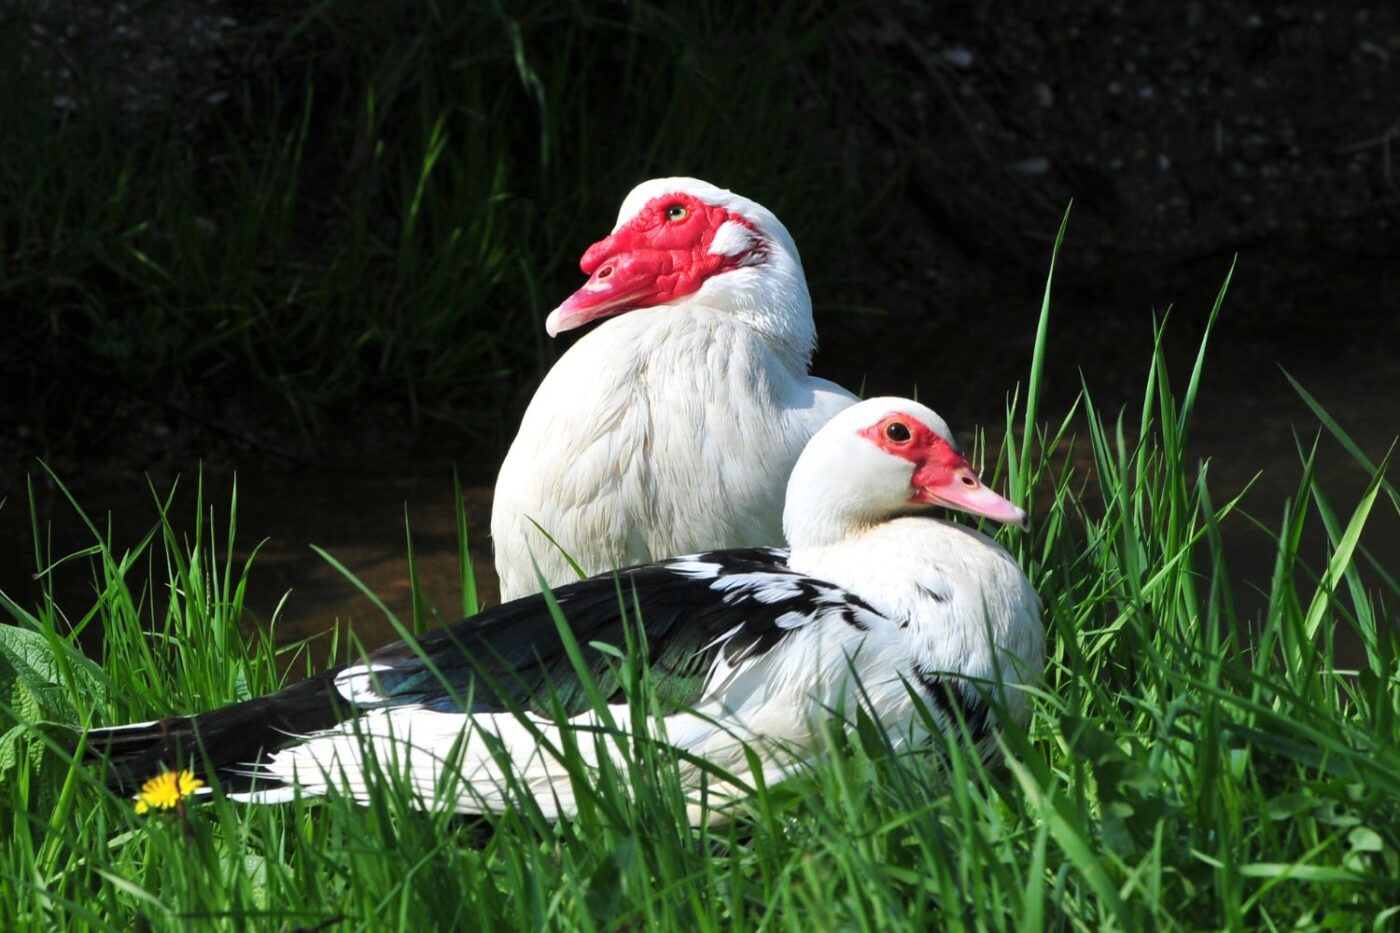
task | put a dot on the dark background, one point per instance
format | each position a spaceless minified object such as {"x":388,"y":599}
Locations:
{"x":314,"y":247}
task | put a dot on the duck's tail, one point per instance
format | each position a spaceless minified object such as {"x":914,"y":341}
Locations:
{"x":221,"y":745}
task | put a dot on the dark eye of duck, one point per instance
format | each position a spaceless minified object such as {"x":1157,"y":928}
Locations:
{"x":897,"y":431}
{"x":676,"y":213}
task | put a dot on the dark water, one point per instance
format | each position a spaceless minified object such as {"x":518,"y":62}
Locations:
{"x":359,"y":517}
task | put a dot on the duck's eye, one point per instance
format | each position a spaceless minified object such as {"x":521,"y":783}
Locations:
{"x":897,"y":431}
{"x":676,"y":213}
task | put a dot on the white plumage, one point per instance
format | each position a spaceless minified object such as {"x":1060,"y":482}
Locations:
{"x":877,"y":602}
{"x":672,"y":427}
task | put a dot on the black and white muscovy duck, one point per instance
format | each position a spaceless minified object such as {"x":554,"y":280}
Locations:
{"x":671,"y":428}
{"x":877,"y":602}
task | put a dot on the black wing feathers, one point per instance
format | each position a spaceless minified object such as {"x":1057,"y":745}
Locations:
{"x":512,"y":655}
{"x":691,"y":609}
{"x":241,"y":732}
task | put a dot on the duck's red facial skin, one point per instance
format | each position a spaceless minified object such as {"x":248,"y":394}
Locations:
{"x":942,"y":476}
{"x":661,"y":254}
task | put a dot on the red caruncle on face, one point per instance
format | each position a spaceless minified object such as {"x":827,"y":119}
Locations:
{"x":941,"y":475}
{"x":663,"y":253}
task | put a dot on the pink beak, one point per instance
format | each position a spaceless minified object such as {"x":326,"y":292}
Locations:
{"x":620,"y":279}
{"x":963,"y":491}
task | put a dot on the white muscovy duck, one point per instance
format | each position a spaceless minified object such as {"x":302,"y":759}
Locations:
{"x":876,"y":602}
{"x":671,"y":428}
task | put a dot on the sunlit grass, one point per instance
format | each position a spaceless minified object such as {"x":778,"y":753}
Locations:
{"x":1185,"y":767}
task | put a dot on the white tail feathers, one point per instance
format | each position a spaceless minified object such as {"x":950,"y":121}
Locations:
{"x":488,"y":763}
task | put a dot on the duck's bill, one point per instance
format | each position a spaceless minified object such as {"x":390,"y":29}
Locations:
{"x":619,"y":282}
{"x":966,"y":493}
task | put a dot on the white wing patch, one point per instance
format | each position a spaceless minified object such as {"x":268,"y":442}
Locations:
{"x":694,"y":568}
{"x":763,"y":587}
{"x":356,"y":684}
{"x":791,"y":620}
{"x":716,"y":642}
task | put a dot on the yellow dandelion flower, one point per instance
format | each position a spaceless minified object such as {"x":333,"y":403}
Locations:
{"x":166,"y":791}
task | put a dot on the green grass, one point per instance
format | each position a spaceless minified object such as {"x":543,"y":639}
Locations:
{"x":391,"y":197}
{"x":1185,"y":768}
